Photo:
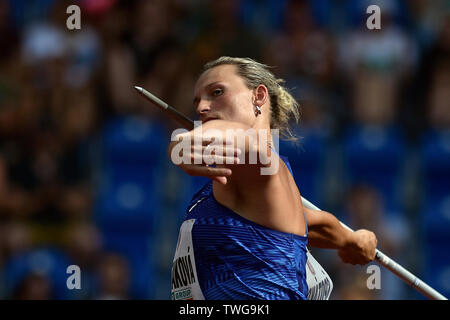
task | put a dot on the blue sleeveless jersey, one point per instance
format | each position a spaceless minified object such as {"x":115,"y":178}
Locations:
{"x":229,"y":257}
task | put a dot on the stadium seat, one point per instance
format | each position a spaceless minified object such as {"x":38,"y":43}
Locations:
{"x":437,"y":264}
{"x":307,"y":161}
{"x":435,"y":218}
{"x":134,"y":140}
{"x":436,"y":188}
{"x":48,"y":261}
{"x":436,"y":164}
{"x":129,"y":197}
{"x":374,"y":156}
{"x":131,"y":173}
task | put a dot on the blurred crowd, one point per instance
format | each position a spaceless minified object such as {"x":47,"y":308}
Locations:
{"x":84,"y":173}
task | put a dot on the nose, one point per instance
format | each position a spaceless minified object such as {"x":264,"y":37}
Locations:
{"x":203,"y":107}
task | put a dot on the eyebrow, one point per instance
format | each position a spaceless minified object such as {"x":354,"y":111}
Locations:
{"x":196,"y":99}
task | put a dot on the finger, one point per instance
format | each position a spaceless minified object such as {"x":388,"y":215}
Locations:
{"x":221,"y":150}
{"x":215,"y":159}
{"x":219,"y":154}
{"x":196,"y":156}
{"x":210,"y":172}
{"x":221,"y":180}
{"x":201,"y":151}
{"x":216,"y":141}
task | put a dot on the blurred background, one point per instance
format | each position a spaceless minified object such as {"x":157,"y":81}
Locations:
{"x":84,"y":174}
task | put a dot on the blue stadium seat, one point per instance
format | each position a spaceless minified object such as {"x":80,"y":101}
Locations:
{"x":436,"y":187}
{"x":134,"y":156}
{"x":435,"y":216}
{"x":129,"y":197}
{"x":438,"y":264}
{"x":374,"y":156}
{"x":307,"y":159}
{"x":436,"y":164}
{"x":134,"y":140}
{"x":48,"y":261}
{"x":264,"y":15}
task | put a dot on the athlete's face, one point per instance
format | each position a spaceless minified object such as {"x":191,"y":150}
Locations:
{"x":220,"y":93}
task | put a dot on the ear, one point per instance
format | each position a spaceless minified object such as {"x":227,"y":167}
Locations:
{"x":260,"y":95}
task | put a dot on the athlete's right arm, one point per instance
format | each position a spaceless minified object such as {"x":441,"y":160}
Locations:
{"x":325,"y":231}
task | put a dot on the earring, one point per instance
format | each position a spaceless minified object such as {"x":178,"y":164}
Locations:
{"x":258,"y":110}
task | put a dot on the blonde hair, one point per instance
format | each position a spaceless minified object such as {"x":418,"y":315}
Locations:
{"x":282,"y":105}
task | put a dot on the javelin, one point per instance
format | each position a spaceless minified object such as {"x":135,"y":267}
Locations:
{"x":380,"y":257}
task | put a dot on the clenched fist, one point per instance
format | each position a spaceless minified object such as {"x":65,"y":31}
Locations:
{"x":360,"y":248}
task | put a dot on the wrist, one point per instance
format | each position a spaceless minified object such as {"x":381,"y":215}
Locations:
{"x":349,"y":239}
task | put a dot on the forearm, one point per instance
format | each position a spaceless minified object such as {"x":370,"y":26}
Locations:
{"x":325,"y":231}
{"x":329,"y":233}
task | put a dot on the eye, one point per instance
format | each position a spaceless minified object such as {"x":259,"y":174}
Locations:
{"x":217,"y":92}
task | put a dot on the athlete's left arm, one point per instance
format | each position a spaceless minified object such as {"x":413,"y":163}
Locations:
{"x":251,"y":140}
{"x":325,"y":231}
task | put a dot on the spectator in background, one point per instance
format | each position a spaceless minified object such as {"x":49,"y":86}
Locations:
{"x":304,"y":54}
{"x":222,"y":33}
{"x":15,"y":238}
{"x":427,"y":17}
{"x":119,"y":66}
{"x":436,"y":75}
{"x":34,"y":286}
{"x":365,"y":208}
{"x":83,"y":244}
{"x":355,"y":288}
{"x":287,"y":49}
{"x":113,"y":278}
{"x":49,"y":44}
{"x":377,"y":62}
{"x":14,"y":202}
{"x":8,"y":36}
{"x":430,"y":85}
{"x":76,"y":203}
{"x":439,"y":99}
